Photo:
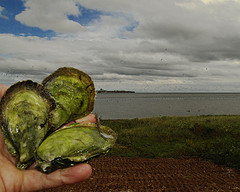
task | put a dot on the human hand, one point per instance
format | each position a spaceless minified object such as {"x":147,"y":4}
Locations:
{"x":3,"y":89}
{"x":13,"y":179}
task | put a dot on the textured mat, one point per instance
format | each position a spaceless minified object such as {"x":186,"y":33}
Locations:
{"x":161,"y":174}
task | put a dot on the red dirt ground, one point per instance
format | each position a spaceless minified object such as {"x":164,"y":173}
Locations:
{"x":132,"y":174}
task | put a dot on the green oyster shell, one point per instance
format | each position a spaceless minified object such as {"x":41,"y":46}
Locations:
{"x":74,"y":93}
{"x":73,"y":144}
{"x":24,"y":114}
{"x":30,"y":115}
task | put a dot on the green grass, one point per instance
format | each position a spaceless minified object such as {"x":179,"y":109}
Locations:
{"x":213,"y":138}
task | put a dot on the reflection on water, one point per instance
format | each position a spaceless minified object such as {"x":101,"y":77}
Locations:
{"x":139,"y":105}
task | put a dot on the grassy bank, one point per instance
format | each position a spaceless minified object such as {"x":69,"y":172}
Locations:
{"x":214,"y":138}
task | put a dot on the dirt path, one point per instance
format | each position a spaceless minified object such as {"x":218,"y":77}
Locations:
{"x":160,"y":174}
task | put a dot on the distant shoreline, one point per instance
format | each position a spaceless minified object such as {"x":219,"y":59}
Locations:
{"x":114,"y":91}
{"x":196,"y":92}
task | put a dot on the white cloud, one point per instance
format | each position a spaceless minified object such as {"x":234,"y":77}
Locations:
{"x":218,"y":1}
{"x":1,"y":15}
{"x":113,"y":63}
{"x":51,"y":15}
{"x":109,"y":26}
{"x":176,"y":45}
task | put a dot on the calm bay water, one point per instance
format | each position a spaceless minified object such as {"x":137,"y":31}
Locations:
{"x":140,"y":105}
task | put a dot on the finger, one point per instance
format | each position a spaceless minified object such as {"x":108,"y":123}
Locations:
{"x":3,"y":150}
{"x":90,"y":118}
{"x":3,"y":89}
{"x":35,"y":180}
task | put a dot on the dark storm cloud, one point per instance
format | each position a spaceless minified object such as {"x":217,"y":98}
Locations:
{"x":200,"y":33}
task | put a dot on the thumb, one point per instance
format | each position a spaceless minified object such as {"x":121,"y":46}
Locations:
{"x":35,"y":180}
{"x":3,"y":89}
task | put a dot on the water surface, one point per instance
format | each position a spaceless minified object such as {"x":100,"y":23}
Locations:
{"x":140,"y":105}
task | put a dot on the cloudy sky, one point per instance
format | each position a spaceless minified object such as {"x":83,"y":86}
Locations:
{"x":145,"y":46}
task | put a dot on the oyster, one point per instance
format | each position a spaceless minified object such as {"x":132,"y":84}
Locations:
{"x":31,"y":114}
{"x":74,"y":93}
{"x":73,"y":144}
{"x":24,"y":114}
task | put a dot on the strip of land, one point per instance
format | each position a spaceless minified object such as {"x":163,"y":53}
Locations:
{"x":211,"y":138}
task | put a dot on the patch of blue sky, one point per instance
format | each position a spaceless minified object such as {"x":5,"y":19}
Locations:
{"x":15,"y":27}
{"x":132,"y":23}
{"x":8,"y":23}
{"x":7,"y":55}
{"x":132,"y":26}
{"x":89,"y":15}
{"x":11,"y":8}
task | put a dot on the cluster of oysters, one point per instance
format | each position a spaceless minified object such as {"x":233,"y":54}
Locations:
{"x":34,"y":120}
